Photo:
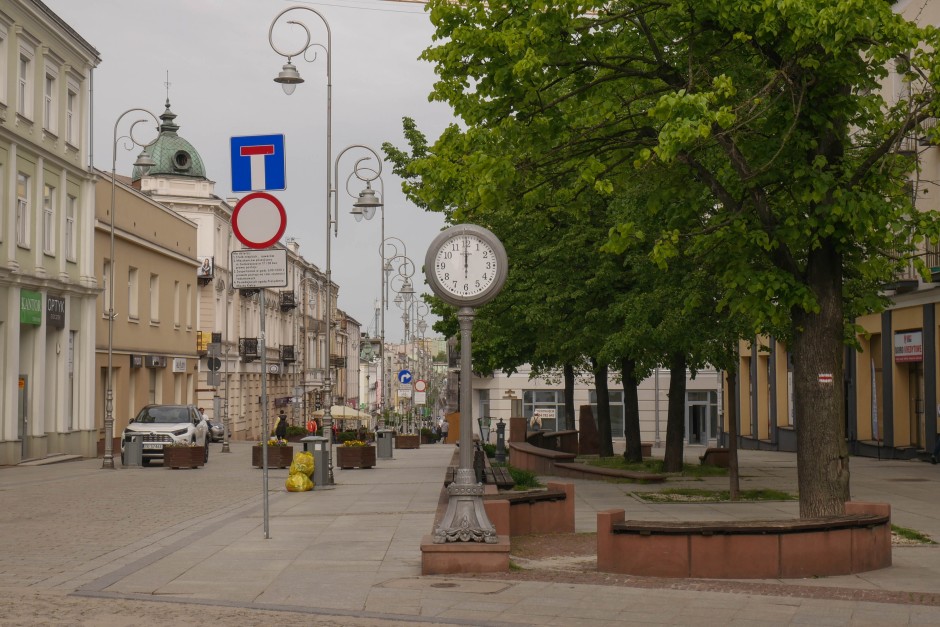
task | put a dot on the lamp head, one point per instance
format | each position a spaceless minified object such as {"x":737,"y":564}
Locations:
{"x":289,"y":78}
{"x":144,"y":161}
{"x":367,"y":204}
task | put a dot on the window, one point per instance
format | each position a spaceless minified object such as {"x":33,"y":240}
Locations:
{"x":72,"y":117}
{"x":22,"y":210}
{"x":71,"y":209}
{"x":189,"y":306}
{"x":24,"y":86}
{"x":154,"y":298}
{"x":616,"y":411}
{"x":3,"y":63}
{"x":549,"y":400}
{"x":106,"y":284}
{"x":50,"y":102}
{"x":133,"y":312}
{"x":48,"y":219}
{"x":176,"y":304}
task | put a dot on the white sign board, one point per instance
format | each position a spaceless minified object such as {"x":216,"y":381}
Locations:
{"x":908,"y":346}
{"x":252,"y":269}
{"x":421,"y":398}
{"x":539,"y":416}
{"x":404,"y":392}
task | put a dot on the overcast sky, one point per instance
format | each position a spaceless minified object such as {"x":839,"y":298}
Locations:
{"x":221,"y":69}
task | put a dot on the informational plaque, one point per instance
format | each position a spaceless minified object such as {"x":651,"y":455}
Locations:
{"x":252,"y":269}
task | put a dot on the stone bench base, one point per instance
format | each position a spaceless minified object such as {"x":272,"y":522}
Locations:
{"x":525,"y":513}
{"x":855,"y":543}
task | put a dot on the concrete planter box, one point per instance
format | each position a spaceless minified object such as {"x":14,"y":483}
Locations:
{"x":278,"y":456}
{"x":355,"y":456}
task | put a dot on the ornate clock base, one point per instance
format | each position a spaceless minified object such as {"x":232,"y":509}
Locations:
{"x":465,"y":519}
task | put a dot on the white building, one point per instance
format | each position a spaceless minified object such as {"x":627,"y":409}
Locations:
{"x":295,"y":352}
{"x":48,"y":289}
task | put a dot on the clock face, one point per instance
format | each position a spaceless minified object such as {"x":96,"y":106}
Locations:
{"x":467,"y":264}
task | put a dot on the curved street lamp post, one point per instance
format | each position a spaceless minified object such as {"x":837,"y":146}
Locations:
{"x":145,"y":162}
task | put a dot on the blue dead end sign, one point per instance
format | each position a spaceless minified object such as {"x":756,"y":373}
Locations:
{"x":259,"y":220}
{"x":258,"y":163}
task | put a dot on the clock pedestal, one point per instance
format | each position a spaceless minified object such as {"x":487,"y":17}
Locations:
{"x":465,"y":519}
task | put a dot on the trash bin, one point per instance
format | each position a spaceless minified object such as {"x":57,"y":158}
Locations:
{"x":133,"y":450}
{"x":383,"y":443}
{"x":321,"y":466}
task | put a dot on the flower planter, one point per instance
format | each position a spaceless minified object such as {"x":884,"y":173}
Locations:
{"x":408,"y":441}
{"x":278,"y":456}
{"x":184,"y":456}
{"x":355,"y":456}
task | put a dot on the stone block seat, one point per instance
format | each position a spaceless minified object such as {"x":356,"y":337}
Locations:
{"x":715,"y":457}
{"x":859,"y":541}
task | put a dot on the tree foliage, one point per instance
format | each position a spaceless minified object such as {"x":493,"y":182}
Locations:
{"x":745,"y":142}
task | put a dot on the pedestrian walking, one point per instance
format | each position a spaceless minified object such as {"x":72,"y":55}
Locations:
{"x":445,"y":427}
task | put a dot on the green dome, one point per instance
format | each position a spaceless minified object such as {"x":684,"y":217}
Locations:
{"x":171,"y":154}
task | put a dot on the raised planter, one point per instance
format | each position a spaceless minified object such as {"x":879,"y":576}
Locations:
{"x":408,"y":441}
{"x":857,"y":542}
{"x":278,"y":456}
{"x":184,"y":456}
{"x":355,"y":456}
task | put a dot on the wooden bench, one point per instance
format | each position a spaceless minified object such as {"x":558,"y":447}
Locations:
{"x":500,"y":477}
{"x":715,"y":457}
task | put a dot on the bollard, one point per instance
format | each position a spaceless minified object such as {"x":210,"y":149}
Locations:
{"x":500,"y":442}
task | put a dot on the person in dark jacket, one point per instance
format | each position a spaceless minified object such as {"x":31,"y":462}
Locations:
{"x":281,"y":429}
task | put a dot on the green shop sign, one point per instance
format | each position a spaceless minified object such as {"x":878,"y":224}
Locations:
{"x":30,"y":307}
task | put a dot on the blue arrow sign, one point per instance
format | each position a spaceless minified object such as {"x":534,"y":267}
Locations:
{"x":404,"y":376}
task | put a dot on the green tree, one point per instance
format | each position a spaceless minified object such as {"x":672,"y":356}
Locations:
{"x":772,"y":109}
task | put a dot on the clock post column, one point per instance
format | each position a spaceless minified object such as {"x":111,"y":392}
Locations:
{"x":465,"y":519}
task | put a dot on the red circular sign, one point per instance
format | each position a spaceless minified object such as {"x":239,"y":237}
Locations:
{"x":259,"y":220}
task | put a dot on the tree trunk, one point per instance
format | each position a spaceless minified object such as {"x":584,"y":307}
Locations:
{"x":603,"y":409}
{"x":822,"y":458}
{"x":731,"y":412}
{"x":569,"y":397}
{"x":631,"y":411}
{"x":675,"y":419}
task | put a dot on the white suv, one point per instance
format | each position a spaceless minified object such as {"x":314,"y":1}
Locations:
{"x":161,"y":424}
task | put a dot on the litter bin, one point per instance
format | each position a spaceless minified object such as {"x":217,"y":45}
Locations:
{"x":133,"y":450}
{"x":383,"y":443}
{"x":321,"y":472}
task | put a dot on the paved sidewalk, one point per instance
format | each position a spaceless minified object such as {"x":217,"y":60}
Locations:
{"x":193,"y":540}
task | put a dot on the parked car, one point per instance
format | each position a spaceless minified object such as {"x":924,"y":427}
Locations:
{"x":162,"y":424}
{"x":216,"y":431}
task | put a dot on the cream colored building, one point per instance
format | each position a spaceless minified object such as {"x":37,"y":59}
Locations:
{"x":294,"y":351}
{"x":48,"y":288}
{"x":153,"y":349}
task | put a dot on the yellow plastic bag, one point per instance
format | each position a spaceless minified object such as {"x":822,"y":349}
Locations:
{"x":299,"y":482}
{"x":303,"y":463}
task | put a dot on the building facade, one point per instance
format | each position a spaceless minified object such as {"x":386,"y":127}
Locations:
{"x":153,"y":340}
{"x":287,"y":369}
{"x":47,"y":279}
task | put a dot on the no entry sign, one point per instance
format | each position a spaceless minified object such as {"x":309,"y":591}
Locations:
{"x":259,"y":220}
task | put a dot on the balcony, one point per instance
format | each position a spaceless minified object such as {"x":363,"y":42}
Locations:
{"x":287,"y":354}
{"x":248,"y":348}
{"x":248,"y":293}
{"x":288,"y":301}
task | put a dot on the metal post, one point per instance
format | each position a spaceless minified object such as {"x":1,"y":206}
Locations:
{"x":465,"y":519}
{"x":264,"y":418}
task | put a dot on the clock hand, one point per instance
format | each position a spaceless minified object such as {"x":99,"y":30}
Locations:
{"x":466,"y":256}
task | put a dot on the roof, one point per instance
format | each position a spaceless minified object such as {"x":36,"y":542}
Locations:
{"x":172,"y":155}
